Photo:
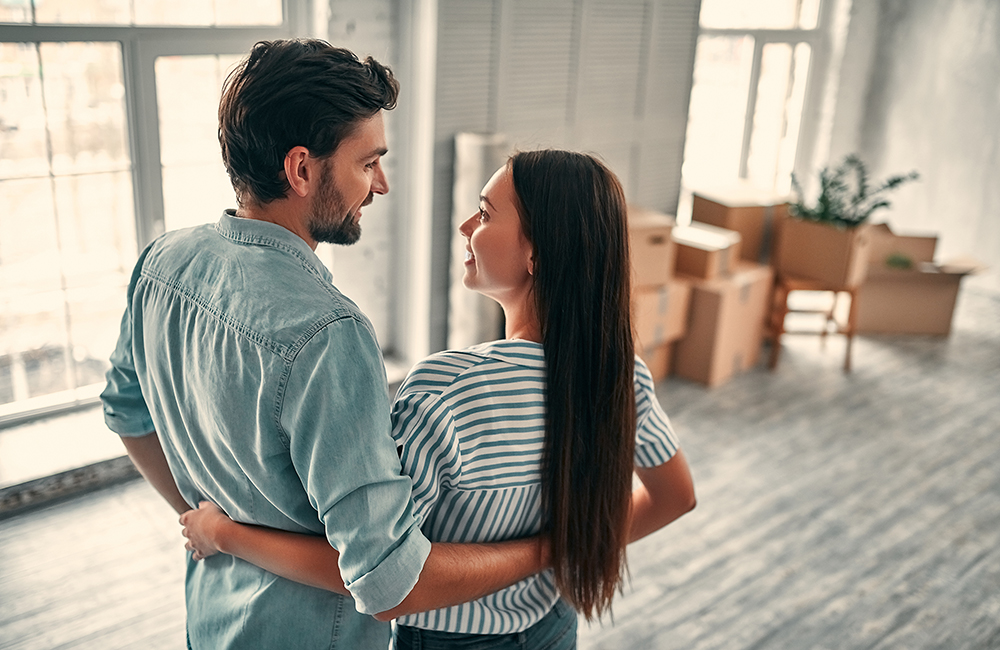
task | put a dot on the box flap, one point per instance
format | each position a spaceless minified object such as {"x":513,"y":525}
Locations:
{"x":705,"y":237}
{"x":890,"y":252}
{"x":962,"y":265}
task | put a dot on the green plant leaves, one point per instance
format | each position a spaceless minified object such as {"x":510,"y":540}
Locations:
{"x":846,"y":197}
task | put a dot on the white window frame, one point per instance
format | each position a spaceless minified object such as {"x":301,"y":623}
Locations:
{"x":140,"y":47}
{"x":819,"y":40}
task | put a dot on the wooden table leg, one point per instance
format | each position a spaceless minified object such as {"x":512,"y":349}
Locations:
{"x":779,"y":309}
{"x":852,"y":317}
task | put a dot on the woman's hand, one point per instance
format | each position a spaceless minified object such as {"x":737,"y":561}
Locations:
{"x":202,"y":527}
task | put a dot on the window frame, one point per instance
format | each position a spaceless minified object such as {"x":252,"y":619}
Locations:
{"x":818,"y":39}
{"x":140,"y":46}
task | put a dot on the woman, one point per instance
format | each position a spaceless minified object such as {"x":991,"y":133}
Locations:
{"x":504,"y":442}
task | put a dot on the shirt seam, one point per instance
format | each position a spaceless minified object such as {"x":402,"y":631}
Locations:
{"x":229,"y":322}
{"x":498,"y":354}
{"x":293,"y":355}
{"x":439,"y":392}
{"x":260,"y":240}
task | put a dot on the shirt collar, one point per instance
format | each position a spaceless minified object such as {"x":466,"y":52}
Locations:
{"x":265,"y":233}
{"x":515,"y":351}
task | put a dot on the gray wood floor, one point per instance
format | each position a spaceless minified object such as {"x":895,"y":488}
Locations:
{"x":835,"y":512}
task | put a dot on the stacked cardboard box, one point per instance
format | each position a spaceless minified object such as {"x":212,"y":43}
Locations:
{"x":729,"y":303}
{"x":757,"y":216}
{"x":906,"y":292}
{"x":659,"y":300}
{"x":726,"y":325}
{"x":705,"y":251}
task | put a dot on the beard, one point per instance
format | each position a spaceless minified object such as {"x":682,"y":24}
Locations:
{"x":330,"y":220}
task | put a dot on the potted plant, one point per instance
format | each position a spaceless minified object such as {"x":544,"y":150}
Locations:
{"x":828,"y":240}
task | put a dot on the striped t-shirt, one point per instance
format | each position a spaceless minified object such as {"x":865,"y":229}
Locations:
{"x":470,"y":425}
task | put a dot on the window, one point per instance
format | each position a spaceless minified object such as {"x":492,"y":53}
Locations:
{"x":107,"y":138}
{"x":67,"y":235}
{"x":194,"y":178}
{"x":202,"y":13}
{"x":754,"y":59}
{"x":759,"y":14}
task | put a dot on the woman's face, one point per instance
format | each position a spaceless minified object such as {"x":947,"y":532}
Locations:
{"x":498,"y":259}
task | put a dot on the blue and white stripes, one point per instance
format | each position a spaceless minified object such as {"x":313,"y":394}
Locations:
{"x":470,"y":425}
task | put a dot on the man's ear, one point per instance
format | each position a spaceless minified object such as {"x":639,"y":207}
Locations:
{"x":300,"y":170}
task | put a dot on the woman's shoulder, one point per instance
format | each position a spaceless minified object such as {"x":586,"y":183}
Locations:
{"x":645,"y":387}
{"x":643,"y":377}
{"x":442,"y":369}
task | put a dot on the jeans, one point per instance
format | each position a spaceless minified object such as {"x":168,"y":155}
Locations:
{"x":556,"y":631}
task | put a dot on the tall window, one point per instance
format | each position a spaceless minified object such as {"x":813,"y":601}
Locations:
{"x":67,"y":233}
{"x":195,"y":184}
{"x":107,"y":138}
{"x":751,"y":75}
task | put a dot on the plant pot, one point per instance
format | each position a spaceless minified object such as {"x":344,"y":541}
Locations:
{"x":834,"y":256}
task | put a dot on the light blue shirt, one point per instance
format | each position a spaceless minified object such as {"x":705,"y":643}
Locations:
{"x":267,"y":389}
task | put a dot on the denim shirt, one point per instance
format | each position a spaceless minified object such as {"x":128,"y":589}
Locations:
{"x":267,"y":390}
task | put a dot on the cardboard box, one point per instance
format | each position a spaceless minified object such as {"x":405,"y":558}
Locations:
{"x":835,"y":257}
{"x":756,"y":215}
{"x":915,"y":300}
{"x":910,"y":302}
{"x":658,"y":359}
{"x":653,"y":250}
{"x":888,"y":249}
{"x":725,"y":325}
{"x":661,"y":313}
{"x":706,"y":252}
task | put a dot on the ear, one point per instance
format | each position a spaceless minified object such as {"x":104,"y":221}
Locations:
{"x":300,"y":170}
{"x":531,"y":263}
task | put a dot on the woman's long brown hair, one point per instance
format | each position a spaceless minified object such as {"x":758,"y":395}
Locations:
{"x":572,"y":209}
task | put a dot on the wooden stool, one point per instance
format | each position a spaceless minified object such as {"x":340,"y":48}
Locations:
{"x":783,"y":286}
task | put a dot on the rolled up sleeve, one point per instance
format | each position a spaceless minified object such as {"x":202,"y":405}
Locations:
{"x":125,"y":409}
{"x":335,"y":414}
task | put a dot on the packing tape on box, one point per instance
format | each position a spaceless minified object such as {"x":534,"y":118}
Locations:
{"x":663,"y":305}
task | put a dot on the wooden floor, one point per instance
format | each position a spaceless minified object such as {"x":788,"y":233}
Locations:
{"x":835,"y":512}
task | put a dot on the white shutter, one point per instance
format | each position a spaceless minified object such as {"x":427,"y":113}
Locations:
{"x":668,"y":91}
{"x":608,"y":76}
{"x":536,"y":70}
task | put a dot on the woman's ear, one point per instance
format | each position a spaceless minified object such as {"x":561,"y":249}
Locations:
{"x":531,"y":263}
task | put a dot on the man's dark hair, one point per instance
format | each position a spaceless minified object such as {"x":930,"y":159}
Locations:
{"x":291,"y":93}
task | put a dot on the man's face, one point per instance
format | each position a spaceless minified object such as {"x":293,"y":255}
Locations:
{"x":350,"y":179}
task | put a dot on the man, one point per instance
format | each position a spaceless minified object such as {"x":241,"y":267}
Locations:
{"x":243,"y":377}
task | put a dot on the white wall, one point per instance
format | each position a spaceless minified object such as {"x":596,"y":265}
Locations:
{"x":920,"y":89}
{"x":365,"y":271}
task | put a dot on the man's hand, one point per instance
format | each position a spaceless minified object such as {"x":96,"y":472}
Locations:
{"x":202,"y":527}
